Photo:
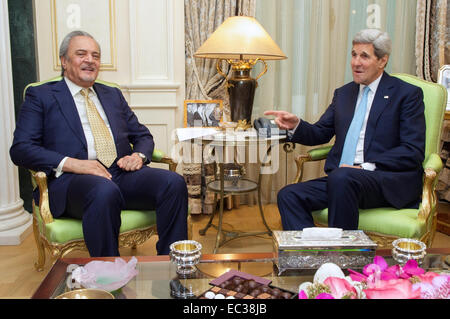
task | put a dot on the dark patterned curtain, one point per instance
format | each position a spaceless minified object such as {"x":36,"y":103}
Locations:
{"x":432,"y":37}
{"x":202,"y":18}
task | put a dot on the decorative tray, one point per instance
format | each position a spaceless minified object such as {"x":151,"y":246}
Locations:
{"x":354,"y":249}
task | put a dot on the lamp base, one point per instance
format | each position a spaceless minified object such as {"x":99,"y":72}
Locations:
{"x":241,"y":89}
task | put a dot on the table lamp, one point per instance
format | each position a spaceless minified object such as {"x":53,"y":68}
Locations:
{"x":242,"y":42}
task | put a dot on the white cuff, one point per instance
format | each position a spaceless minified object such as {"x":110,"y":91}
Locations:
{"x":290,"y":133}
{"x":58,"y":170}
{"x":368,"y":166}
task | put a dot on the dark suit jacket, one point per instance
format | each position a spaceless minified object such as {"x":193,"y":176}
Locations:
{"x":394,"y":139}
{"x":49,"y":128}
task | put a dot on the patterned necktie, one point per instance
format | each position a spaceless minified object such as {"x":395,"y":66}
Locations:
{"x":104,"y":142}
{"x":351,"y":139}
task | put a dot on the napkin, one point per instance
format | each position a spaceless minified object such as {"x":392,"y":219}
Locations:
{"x":321,"y":233}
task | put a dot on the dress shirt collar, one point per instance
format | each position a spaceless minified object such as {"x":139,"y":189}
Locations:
{"x":74,"y":88}
{"x":372,"y":86}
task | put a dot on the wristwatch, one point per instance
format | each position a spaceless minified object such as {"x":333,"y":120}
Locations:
{"x":142,"y":156}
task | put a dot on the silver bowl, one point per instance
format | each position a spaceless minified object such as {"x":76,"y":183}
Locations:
{"x":185,"y":254}
{"x":405,"y":249}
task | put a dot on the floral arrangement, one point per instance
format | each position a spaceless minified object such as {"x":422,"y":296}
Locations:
{"x":378,"y":281}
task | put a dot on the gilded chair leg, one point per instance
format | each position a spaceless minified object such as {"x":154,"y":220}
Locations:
{"x":39,"y":264}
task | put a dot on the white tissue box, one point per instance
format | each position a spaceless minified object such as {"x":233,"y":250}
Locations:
{"x":294,"y":251}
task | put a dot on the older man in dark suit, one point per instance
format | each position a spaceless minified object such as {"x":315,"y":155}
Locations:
{"x":376,"y":160}
{"x":88,"y":141}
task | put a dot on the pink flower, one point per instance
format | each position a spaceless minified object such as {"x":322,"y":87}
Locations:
{"x":324,"y":295}
{"x":408,"y":270}
{"x":438,"y":288}
{"x":340,"y":287}
{"x":302,"y":295}
{"x":356,"y":276}
{"x":412,"y":268}
{"x":371,"y":272}
{"x":392,"y":289}
{"x":379,"y":270}
{"x":427,"y":277}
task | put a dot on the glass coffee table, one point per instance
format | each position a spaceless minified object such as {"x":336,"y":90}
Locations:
{"x":157,"y":278}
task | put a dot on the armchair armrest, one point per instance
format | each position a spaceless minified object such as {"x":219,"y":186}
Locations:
{"x":315,"y":154}
{"x":319,"y":153}
{"x":158,"y":156}
{"x":434,"y":162}
{"x":432,"y":167}
{"x":39,"y":179}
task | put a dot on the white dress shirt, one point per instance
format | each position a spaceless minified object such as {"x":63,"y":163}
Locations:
{"x":359,"y":157}
{"x":80,"y":103}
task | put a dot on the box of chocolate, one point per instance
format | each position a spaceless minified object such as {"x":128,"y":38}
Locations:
{"x":240,"y":285}
{"x":345,"y":248}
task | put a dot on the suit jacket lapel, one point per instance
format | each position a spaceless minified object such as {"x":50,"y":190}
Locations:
{"x":69,"y":110}
{"x":350,"y":105}
{"x":380,"y":102}
{"x":347,"y":109}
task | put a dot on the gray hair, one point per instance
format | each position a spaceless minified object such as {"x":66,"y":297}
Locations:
{"x":381,"y":42}
{"x":64,"y":47}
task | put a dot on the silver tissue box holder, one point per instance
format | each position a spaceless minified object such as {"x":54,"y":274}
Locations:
{"x":353,"y":250}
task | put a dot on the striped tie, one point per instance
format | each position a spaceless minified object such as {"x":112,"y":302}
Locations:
{"x":104,"y":142}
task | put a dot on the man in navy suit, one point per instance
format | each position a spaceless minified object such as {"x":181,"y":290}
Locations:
{"x":385,"y":163}
{"x":54,"y":134}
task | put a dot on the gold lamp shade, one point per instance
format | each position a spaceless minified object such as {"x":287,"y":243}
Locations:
{"x":242,"y":42}
{"x":240,"y":38}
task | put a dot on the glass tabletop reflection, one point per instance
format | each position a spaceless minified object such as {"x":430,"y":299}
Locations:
{"x":157,"y":277}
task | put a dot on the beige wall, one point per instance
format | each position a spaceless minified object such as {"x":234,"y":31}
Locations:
{"x":143,"y":42}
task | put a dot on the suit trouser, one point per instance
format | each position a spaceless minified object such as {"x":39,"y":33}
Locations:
{"x":343,"y":191}
{"x":98,"y":202}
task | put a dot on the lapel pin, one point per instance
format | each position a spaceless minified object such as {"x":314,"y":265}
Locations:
{"x":386,"y":97}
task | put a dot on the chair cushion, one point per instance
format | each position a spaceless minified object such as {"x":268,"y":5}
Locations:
{"x":388,"y":221}
{"x":62,"y":230}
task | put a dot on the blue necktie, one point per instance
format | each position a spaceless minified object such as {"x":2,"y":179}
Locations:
{"x":351,"y":140}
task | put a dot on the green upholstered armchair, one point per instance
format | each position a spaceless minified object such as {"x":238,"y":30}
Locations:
{"x":62,"y":235}
{"x":383,"y":225}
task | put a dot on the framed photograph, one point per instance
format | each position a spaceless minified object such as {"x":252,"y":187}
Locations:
{"x":444,"y":79}
{"x":203,"y":113}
